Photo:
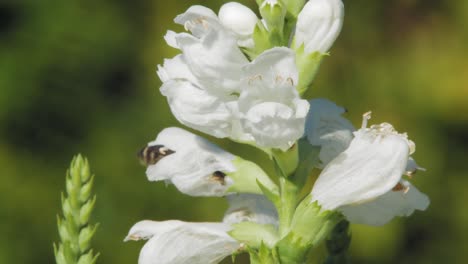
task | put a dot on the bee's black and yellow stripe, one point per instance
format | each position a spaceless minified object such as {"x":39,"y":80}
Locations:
{"x":150,"y":155}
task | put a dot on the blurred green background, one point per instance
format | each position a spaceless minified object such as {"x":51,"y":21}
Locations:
{"x":79,"y":76}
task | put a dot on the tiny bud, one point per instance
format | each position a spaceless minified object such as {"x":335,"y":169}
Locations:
{"x":238,"y":18}
{"x":319,"y":24}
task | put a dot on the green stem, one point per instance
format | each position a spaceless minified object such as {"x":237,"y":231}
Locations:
{"x":288,"y":201}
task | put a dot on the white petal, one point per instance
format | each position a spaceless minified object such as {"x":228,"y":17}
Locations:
{"x":371,"y":166}
{"x":170,"y":39}
{"x":198,"y":109}
{"x":199,"y":20}
{"x":271,"y":109}
{"x":146,"y":229}
{"x":182,"y":242}
{"x":176,"y":69}
{"x":387,"y":206}
{"x":238,"y":18}
{"x":274,"y":124}
{"x":196,"y":167}
{"x":319,"y":24}
{"x":277,"y":65}
{"x":326,"y":127}
{"x":250,"y":207}
{"x":215,"y":60}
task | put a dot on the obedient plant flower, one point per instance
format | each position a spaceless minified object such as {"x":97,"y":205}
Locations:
{"x":197,"y":167}
{"x":318,"y":25}
{"x":193,"y":164}
{"x":201,"y":83}
{"x":241,"y":20}
{"x":327,"y":128}
{"x":248,"y":207}
{"x":177,"y":242}
{"x":271,"y":109}
{"x":370,"y":170}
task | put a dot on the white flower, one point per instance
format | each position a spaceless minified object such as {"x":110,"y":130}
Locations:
{"x":211,"y":52}
{"x":325,"y":127}
{"x":319,"y":24}
{"x":271,"y":109}
{"x":176,"y":242}
{"x":193,"y":164}
{"x":250,"y":207}
{"x":202,"y":84}
{"x":241,"y":20}
{"x":370,"y":168}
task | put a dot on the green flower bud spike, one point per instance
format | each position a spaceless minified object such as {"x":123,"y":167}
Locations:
{"x":74,"y":228}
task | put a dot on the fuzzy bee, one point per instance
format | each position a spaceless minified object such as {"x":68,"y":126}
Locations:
{"x":218,"y":176}
{"x":150,"y":155}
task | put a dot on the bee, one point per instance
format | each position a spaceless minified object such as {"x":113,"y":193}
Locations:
{"x":218,"y":176}
{"x":150,"y":155}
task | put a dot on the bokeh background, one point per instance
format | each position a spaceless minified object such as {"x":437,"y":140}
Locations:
{"x":79,"y":77}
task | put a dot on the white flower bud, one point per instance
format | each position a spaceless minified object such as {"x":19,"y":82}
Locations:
{"x":319,"y":24}
{"x":238,"y":18}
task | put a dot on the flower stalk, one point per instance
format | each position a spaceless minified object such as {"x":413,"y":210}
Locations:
{"x":74,"y":227}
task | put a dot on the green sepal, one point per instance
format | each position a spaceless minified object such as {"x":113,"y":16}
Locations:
{"x":293,"y":7}
{"x":88,"y":258}
{"x":288,"y":160}
{"x":272,"y":194}
{"x":86,"y":189}
{"x":254,"y":234}
{"x":308,"y":160}
{"x":63,"y":231}
{"x":247,"y":175}
{"x":86,"y":234}
{"x":86,"y":210}
{"x":68,"y":253}
{"x":307,"y":66}
{"x":261,"y":38}
{"x":58,"y":253}
{"x":309,"y":227}
{"x":263,"y":255}
{"x":274,"y":16}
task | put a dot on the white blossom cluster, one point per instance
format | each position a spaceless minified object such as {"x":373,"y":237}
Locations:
{"x":217,"y":87}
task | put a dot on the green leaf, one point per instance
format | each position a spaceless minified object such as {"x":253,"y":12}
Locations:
{"x":88,"y":258}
